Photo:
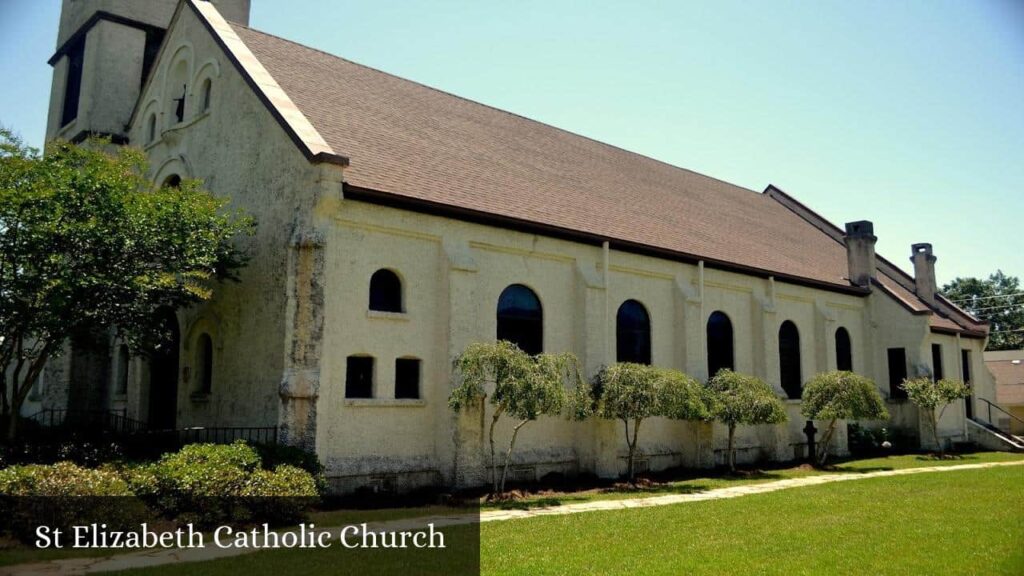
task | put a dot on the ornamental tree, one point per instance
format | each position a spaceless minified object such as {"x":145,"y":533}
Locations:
{"x":634,"y":392}
{"x":736,"y":399}
{"x":840,"y":395}
{"x":930,"y":395}
{"x":87,"y":246}
{"x":517,"y":385}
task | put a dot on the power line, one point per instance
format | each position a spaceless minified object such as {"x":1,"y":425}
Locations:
{"x":976,"y":298}
{"x":996,"y":307}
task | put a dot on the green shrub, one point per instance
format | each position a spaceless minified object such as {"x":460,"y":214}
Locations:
{"x":840,"y":395}
{"x":63,"y":495}
{"x":207,"y":484}
{"x":280,"y":496}
{"x":274,"y":455}
{"x":141,"y":479}
{"x":61,"y":479}
{"x":867,"y":441}
{"x":202,"y":482}
{"x":211,"y":484}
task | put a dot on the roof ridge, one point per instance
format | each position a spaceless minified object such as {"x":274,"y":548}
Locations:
{"x":501,"y":110}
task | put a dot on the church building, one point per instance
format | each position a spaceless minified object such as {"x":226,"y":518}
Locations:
{"x":398,"y":223}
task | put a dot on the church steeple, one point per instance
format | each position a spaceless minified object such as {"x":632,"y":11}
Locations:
{"x":105,"y":48}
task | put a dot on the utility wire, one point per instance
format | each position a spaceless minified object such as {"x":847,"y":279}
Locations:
{"x":996,"y":307}
{"x":976,"y":298}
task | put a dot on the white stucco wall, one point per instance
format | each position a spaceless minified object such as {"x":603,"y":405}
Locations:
{"x":240,"y":152}
{"x":453,"y":273}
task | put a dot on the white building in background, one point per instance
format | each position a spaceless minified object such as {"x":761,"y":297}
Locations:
{"x":398,"y":223}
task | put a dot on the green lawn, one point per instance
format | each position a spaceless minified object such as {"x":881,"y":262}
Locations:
{"x":947,"y":523}
{"x":950,"y":523}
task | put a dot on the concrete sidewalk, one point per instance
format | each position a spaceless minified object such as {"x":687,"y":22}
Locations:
{"x":168,"y":556}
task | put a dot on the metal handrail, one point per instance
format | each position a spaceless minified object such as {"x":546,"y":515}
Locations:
{"x":999,"y":408}
{"x":116,"y":420}
{"x":119,"y":423}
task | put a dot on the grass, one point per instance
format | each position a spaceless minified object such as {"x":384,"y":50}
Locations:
{"x":962,"y":522}
{"x":692,"y":485}
{"x":956,"y":523}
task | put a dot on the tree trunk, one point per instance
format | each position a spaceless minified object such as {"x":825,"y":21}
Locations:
{"x":4,"y":406}
{"x":629,"y":451}
{"x":732,"y":451}
{"x":490,"y":438}
{"x":508,"y":454}
{"x":631,"y":444}
{"x":825,"y":441}
{"x":935,"y":431}
{"x":22,"y":388}
{"x":12,"y":428}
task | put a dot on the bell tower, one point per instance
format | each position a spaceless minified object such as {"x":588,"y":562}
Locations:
{"x":105,"y":49}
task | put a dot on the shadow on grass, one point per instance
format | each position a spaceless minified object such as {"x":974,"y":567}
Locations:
{"x":854,"y":470}
{"x":542,"y":502}
{"x":645,"y":486}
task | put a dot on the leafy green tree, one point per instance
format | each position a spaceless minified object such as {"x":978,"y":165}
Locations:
{"x":634,"y":392}
{"x":998,"y":299}
{"x":736,"y":399}
{"x":517,"y":385}
{"x":87,"y":245}
{"x":931,"y":395}
{"x":840,"y":395}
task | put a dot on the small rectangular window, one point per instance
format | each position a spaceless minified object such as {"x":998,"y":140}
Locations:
{"x":407,"y":378}
{"x":937,"y":372}
{"x":897,"y":372}
{"x":965,"y":361}
{"x":153,"y":40}
{"x":73,"y":82}
{"x":359,"y":377}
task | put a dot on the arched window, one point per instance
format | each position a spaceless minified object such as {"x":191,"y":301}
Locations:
{"x":204,"y":95}
{"x":520,"y":319}
{"x":172,"y":181}
{"x":385,"y":291}
{"x":719,"y":338}
{"x":633,"y":333}
{"x":121,"y":384}
{"x":151,"y":129}
{"x":789,"y":360}
{"x":204,"y":364}
{"x":844,"y":356}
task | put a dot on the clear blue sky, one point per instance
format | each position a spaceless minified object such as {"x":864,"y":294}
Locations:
{"x":909,"y":114}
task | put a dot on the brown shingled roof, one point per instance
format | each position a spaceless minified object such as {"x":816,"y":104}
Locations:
{"x":409,"y":141}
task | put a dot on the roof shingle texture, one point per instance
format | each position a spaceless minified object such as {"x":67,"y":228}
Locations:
{"x":410,"y":140}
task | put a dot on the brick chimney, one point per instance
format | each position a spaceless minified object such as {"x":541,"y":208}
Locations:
{"x":924,"y":271}
{"x":860,"y":252}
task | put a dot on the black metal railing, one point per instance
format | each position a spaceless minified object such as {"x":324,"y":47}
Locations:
{"x":999,"y":409}
{"x":56,"y":422}
{"x":116,"y":422}
{"x":223,"y":434}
